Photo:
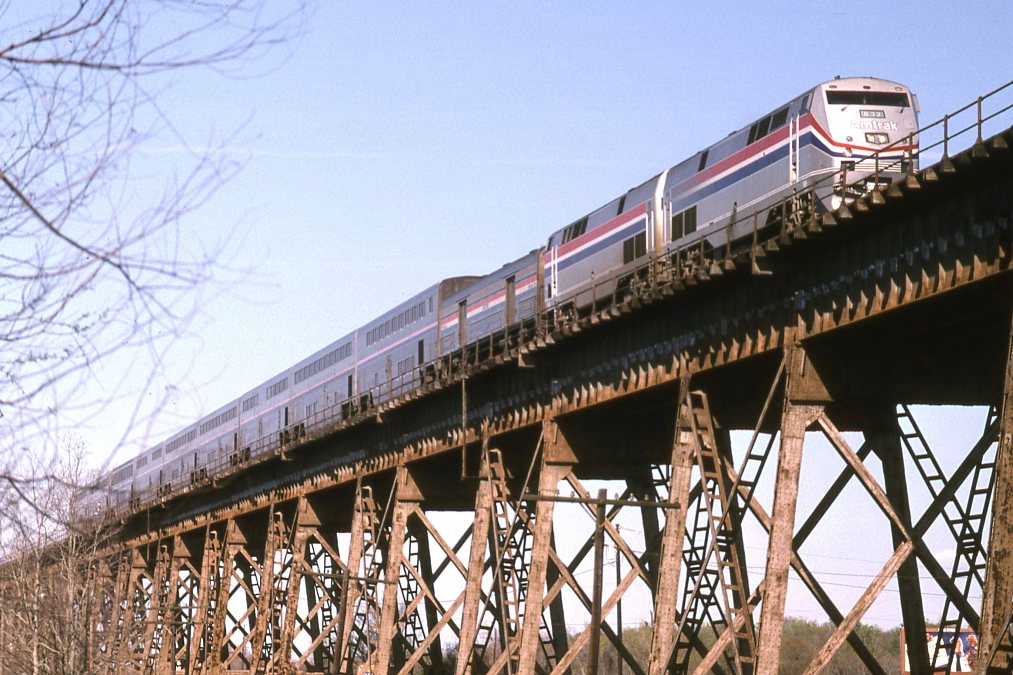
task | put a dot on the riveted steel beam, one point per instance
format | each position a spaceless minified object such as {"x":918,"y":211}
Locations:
{"x":799,"y":412}
{"x":557,"y":460}
{"x":884,"y":436}
{"x":476,"y":566}
{"x":405,"y":495}
{"x":997,"y":598}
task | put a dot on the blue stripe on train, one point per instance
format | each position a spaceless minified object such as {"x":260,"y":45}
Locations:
{"x":617,"y":236}
{"x":522,"y":294}
{"x":696,"y":196}
{"x":762,"y":162}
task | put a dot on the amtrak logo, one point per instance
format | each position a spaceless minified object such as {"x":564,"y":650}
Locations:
{"x":874,"y":125}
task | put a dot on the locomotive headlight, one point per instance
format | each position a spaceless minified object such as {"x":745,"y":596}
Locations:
{"x":877,"y":138}
{"x":847,"y":152}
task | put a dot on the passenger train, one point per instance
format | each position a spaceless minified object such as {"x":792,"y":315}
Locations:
{"x":822,"y":148}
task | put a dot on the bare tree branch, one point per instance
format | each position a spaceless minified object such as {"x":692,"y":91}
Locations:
{"x":93,"y":267}
{"x":92,"y":262}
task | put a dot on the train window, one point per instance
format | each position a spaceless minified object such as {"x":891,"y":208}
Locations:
{"x":278,"y":387}
{"x":883,"y":98}
{"x":622,"y":204}
{"x":762,"y":128}
{"x":251,"y":402}
{"x":805,"y":104}
{"x":325,"y":361}
{"x":180,"y":441}
{"x":778,"y":119}
{"x":575,"y":229}
{"x":218,"y":420}
{"x":703,"y":161}
{"x":684,"y":223}
{"x":634,"y":247}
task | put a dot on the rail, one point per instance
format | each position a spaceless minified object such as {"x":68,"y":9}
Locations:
{"x":656,"y":277}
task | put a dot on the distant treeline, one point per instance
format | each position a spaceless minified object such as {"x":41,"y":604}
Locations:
{"x":802,"y":639}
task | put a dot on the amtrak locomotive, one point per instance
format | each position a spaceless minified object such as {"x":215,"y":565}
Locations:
{"x":819,"y":150}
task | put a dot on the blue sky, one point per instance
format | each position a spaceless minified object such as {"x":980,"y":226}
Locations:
{"x":404,"y":143}
{"x":400,"y":143}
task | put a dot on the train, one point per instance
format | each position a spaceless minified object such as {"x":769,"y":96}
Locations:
{"x":831,"y":144}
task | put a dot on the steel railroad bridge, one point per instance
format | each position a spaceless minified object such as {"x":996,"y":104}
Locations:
{"x":319,"y":553}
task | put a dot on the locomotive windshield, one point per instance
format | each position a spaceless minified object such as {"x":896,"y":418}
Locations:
{"x":883,"y":98}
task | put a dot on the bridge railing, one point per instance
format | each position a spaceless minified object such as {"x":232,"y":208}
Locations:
{"x":658,"y":275}
{"x":976,"y":117}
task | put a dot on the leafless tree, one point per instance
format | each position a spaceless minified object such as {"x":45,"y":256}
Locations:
{"x":49,"y":573}
{"x":91,"y":264}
